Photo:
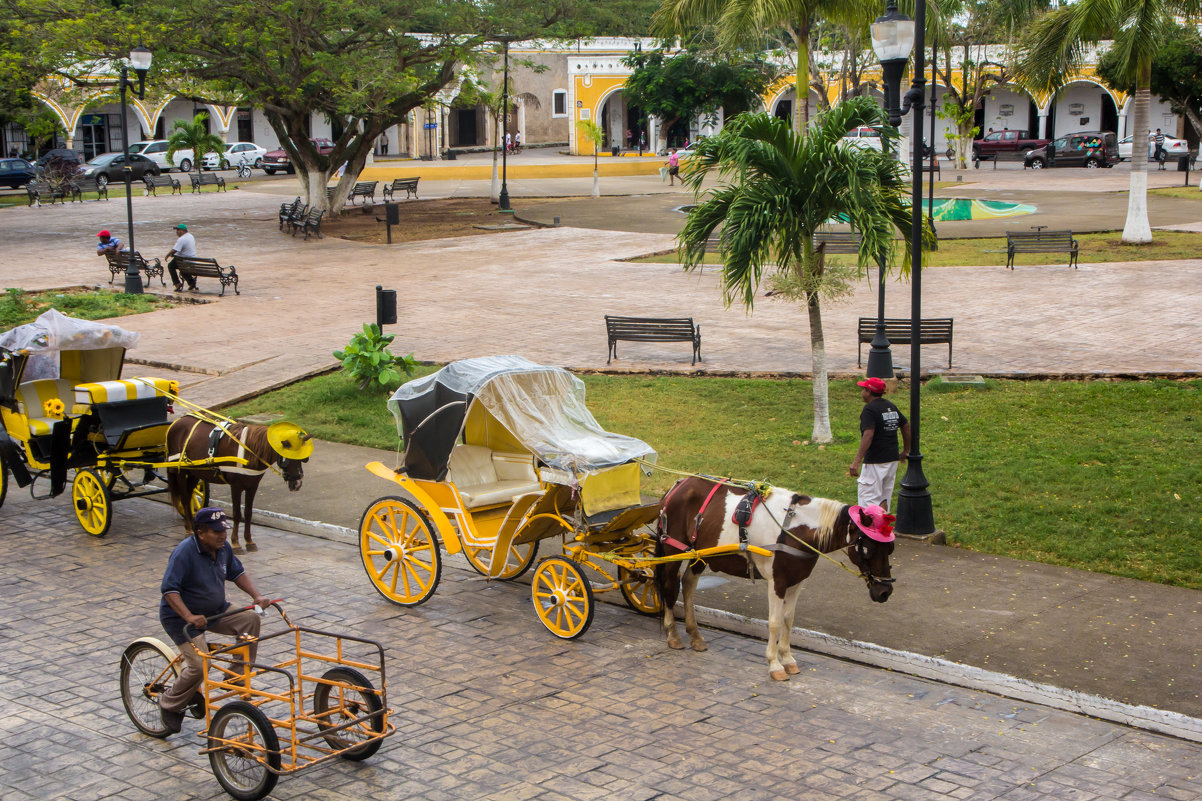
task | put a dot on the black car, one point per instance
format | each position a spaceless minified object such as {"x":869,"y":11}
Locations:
{"x":111,"y":167}
{"x":60,"y":154}
{"x":15,"y":173}
{"x":1091,"y":149}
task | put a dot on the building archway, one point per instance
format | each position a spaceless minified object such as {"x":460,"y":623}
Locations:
{"x":1082,"y":105}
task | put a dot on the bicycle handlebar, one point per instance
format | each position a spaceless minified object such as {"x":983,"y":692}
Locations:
{"x":209,"y":619}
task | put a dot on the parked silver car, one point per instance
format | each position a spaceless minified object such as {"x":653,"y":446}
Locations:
{"x":1175,"y":149}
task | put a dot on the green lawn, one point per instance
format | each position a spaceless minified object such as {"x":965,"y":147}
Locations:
{"x":1103,"y":476}
{"x":18,"y":307}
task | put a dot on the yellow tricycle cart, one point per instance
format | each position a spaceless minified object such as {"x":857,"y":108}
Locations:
{"x":65,"y":406}
{"x":500,"y":454}
{"x":305,"y":699}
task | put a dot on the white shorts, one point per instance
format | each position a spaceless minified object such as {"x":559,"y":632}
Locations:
{"x":875,"y":484}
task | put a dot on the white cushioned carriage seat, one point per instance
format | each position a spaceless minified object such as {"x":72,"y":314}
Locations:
{"x":32,"y":396}
{"x":487,"y":478}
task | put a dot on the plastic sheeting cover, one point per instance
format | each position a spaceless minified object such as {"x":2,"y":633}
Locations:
{"x":54,"y":331}
{"x":542,"y":406}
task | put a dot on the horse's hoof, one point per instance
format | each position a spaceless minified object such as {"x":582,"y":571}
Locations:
{"x":250,"y":546}
{"x":779,"y":675}
{"x":699,"y":645}
{"x":237,"y":549}
{"x":792,"y":669}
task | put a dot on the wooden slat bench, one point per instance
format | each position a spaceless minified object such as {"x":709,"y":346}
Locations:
{"x":78,"y":186}
{"x":838,"y":242}
{"x":310,"y":223}
{"x":928,"y":167}
{"x":407,"y":185}
{"x":155,"y":182}
{"x":1041,"y":242}
{"x":207,"y":179}
{"x":652,"y":329}
{"x":39,"y":191}
{"x":977,"y":159}
{"x":931,"y":331}
{"x":119,"y":263}
{"x":365,"y":190}
{"x":197,"y":267}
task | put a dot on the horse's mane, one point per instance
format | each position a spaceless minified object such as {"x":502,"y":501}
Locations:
{"x":828,"y":515}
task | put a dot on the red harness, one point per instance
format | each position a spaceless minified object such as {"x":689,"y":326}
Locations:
{"x":741,"y":517}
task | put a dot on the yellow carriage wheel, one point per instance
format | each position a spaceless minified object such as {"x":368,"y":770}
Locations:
{"x":92,"y":501}
{"x":400,"y":551}
{"x":517,"y":562}
{"x":563,"y":598}
{"x":640,"y":591}
{"x":199,"y":498}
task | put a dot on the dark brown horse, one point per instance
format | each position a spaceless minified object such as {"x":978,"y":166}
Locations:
{"x":697,"y":513}
{"x":192,"y":438}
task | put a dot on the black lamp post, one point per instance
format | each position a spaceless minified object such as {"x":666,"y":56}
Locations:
{"x":503,"y":199}
{"x":893,"y":37}
{"x":139,"y":59}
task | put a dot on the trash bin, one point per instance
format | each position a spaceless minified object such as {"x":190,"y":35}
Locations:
{"x":614,"y":150}
{"x":449,"y":155}
{"x":1183,"y":164}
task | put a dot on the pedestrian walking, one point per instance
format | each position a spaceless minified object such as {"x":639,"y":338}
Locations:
{"x":875,"y":465}
{"x":383,"y":143}
{"x":185,"y":245}
{"x":673,"y":167}
{"x":1158,"y":153}
{"x":517,"y":142}
{"x":508,"y":142}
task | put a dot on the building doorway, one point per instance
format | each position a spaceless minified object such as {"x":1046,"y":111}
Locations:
{"x":93,"y":136}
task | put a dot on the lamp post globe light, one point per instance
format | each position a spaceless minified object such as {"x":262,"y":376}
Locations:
{"x":894,"y":35}
{"x":139,"y":59}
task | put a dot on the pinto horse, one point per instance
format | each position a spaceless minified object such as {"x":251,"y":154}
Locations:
{"x":698,"y":513}
{"x":193,"y":439}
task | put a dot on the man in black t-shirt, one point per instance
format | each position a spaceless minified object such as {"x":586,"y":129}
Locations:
{"x":876,"y":461}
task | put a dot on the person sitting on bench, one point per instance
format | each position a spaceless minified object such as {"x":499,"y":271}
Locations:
{"x":185,"y":245}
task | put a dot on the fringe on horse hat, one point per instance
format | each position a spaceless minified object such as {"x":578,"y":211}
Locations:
{"x":881,"y":528}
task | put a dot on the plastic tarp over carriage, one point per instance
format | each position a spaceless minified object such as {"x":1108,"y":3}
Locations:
{"x":98,"y":349}
{"x":541,"y":407}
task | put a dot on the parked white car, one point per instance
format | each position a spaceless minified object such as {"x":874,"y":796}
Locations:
{"x":234,"y":153}
{"x":864,"y":137}
{"x":1175,"y":149}
{"x":156,"y":151}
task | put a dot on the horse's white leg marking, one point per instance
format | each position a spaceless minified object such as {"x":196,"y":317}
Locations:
{"x":688,"y":585}
{"x":784,"y":648}
{"x":775,"y":619}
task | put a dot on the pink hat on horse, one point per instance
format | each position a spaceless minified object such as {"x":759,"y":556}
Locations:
{"x":881,"y":528}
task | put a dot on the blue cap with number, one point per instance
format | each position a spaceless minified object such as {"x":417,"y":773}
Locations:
{"x":211,"y":517}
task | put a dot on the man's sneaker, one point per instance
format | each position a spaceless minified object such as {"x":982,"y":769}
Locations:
{"x":173,"y":721}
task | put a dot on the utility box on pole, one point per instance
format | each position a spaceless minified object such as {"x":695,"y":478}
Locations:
{"x":385,"y":306}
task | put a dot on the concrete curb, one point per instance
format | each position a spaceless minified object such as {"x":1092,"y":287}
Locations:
{"x":1140,"y":717}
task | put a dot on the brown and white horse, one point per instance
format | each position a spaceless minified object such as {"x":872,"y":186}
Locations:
{"x":193,"y":438}
{"x":697,"y":513}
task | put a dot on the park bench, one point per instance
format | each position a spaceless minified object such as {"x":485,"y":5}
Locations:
{"x":931,"y":331}
{"x":207,"y":179}
{"x":837,"y":242}
{"x":407,"y":185}
{"x":1041,"y":242}
{"x":288,"y":211}
{"x":365,"y":190}
{"x":978,"y":158}
{"x":154,"y":182}
{"x":310,"y":223}
{"x":119,"y":263}
{"x":196,"y":267}
{"x":928,"y":167}
{"x":77,"y":186}
{"x":652,"y":329}
{"x":39,"y":191}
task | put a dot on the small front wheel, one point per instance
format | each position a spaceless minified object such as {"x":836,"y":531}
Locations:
{"x":245,"y":754}
{"x":400,"y":551}
{"x":92,"y":501}
{"x":148,"y":669}
{"x":335,"y":706}
{"x":563,"y":598}
{"x":640,"y":591}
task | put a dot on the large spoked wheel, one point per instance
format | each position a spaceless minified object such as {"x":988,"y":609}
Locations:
{"x":199,"y":498}
{"x":563,"y":598}
{"x":246,"y":751}
{"x":92,"y":500}
{"x":640,"y":592}
{"x":400,"y":551}
{"x":518,"y":559}
{"x":337,"y":706}
{"x":147,"y":671}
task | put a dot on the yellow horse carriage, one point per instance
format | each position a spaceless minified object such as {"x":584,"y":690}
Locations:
{"x":501,"y":454}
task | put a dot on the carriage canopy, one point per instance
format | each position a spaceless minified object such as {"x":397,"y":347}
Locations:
{"x":540,"y":407}
{"x":58,"y":346}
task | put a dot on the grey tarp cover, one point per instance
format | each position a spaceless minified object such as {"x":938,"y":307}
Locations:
{"x":53,"y":332}
{"x":543,"y":407}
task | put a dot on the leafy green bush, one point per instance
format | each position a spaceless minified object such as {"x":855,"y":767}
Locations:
{"x":366,"y":359}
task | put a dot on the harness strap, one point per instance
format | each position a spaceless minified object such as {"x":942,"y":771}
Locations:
{"x":700,"y":512}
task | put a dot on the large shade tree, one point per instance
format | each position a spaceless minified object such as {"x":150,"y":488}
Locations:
{"x":1176,"y":74}
{"x":775,"y":190}
{"x":1059,"y":42}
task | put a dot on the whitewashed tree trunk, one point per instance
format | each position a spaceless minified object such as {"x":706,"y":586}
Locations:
{"x":822,"y":414}
{"x":1137,"y":231}
{"x":495,"y":192}
{"x":596,"y":184}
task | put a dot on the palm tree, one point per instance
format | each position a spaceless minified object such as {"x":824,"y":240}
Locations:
{"x":1058,"y":44}
{"x":777,"y":189}
{"x":593,"y":132}
{"x":193,"y":136}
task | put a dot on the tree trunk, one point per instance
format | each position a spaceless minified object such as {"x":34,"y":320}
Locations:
{"x":1137,"y":231}
{"x":495,"y":191}
{"x":822,"y":414}
{"x":801,"y":85}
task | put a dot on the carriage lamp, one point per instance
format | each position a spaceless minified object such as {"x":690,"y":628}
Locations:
{"x":894,"y":35}
{"x":139,"y":58}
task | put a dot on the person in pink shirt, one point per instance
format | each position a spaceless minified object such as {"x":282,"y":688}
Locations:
{"x":673,"y":167}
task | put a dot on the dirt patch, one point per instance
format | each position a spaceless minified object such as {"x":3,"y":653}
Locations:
{"x":422,"y":219}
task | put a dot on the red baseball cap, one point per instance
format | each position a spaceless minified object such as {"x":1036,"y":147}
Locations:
{"x":103,"y":234}
{"x":874,"y":385}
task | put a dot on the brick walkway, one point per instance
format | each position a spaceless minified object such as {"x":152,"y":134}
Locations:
{"x":489,"y":706}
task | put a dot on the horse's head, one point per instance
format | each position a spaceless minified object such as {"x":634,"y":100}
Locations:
{"x":870,"y":544}
{"x":293,"y":472}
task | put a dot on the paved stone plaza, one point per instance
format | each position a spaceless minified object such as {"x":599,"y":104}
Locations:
{"x":489,"y":706}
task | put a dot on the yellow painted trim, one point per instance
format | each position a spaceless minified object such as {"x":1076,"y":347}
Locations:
{"x":483,"y":172}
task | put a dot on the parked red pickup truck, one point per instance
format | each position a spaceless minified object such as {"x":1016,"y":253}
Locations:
{"x":1007,"y":141}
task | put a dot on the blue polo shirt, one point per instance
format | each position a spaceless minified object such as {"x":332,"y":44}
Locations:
{"x":200,"y":581}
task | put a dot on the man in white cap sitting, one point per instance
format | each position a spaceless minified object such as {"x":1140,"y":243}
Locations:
{"x":194,"y":590}
{"x":880,"y":421}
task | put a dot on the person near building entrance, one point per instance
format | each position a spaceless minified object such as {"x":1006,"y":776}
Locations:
{"x":193,"y":590}
{"x":517,"y":142}
{"x":1158,"y":153}
{"x":875,"y":465}
{"x":383,"y":142}
{"x":185,"y":245}
{"x":108,"y":244}
{"x":508,"y":142}
{"x":673,"y":167}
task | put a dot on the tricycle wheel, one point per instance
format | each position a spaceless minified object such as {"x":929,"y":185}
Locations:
{"x":335,"y":706}
{"x":400,"y":551}
{"x":92,"y":501}
{"x":563,"y":598}
{"x":518,"y":561}
{"x":640,"y":591}
{"x":246,"y":753}
{"x":199,"y":498}
{"x":147,"y":671}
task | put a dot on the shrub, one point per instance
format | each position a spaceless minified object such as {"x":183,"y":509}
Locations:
{"x":366,"y":359}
